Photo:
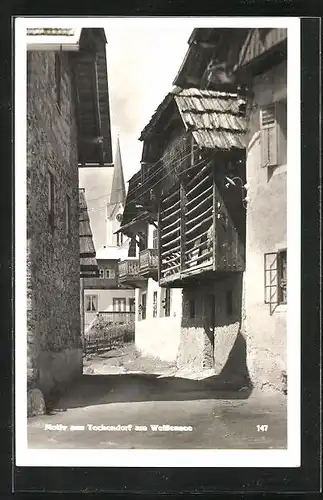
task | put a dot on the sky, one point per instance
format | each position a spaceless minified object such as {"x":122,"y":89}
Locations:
{"x":142,"y":64}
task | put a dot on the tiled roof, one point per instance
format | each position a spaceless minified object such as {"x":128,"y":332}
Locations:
{"x":51,"y":31}
{"x":213,"y":117}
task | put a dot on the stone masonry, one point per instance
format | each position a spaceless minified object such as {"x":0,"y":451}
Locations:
{"x":53,"y":275}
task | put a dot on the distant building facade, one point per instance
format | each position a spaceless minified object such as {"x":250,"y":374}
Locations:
{"x":58,"y":95}
{"x":103,"y":295}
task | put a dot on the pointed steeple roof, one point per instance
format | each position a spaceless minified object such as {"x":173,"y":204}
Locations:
{"x":118,"y":191}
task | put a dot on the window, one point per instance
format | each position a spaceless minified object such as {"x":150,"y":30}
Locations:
{"x":155,"y":305}
{"x":91,"y":303}
{"x":273,"y":134}
{"x":68,"y":214}
{"x":101,"y":273}
{"x":155,"y":239}
{"x":51,"y":200}
{"x":58,"y":77}
{"x":282,"y":277}
{"x":192,"y":308}
{"x":276,"y":278}
{"x":166,"y":301}
{"x":110,"y":274}
{"x":143,"y":305}
{"x":229,"y":302}
{"x":119,"y":304}
{"x":131,"y":304}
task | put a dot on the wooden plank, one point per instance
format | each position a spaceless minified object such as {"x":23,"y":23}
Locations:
{"x":170,"y":197}
{"x":198,"y":175}
{"x":170,"y":215}
{"x":189,"y":203}
{"x":166,"y":269}
{"x":166,"y":245}
{"x":208,"y":178}
{"x":195,"y":268}
{"x":97,"y":107}
{"x":208,"y":198}
{"x":196,"y":247}
{"x":208,"y":219}
{"x":173,"y":259}
{"x":171,"y":207}
{"x":171,"y":225}
{"x":172,"y":250}
{"x":199,"y":257}
{"x":200,"y":216}
{"x":174,"y":231}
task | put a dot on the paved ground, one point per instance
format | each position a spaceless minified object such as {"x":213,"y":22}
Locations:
{"x":133,"y":402}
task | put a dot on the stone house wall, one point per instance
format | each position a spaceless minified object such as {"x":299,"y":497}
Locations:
{"x":53,"y":261}
{"x":265,"y":326}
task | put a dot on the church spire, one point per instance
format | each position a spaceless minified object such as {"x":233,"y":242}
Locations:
{"x":118,"y":191}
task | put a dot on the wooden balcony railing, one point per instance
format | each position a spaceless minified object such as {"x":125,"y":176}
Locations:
{"x":129,"y":272}
{"x":148,"y":261}
{"x":197,"y":233}
{"x":117,"y":317}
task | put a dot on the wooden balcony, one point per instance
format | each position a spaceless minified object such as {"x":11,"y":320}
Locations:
{"x":198,"y":237}
{"x":129,"y":273}
{"x":148,"y":263}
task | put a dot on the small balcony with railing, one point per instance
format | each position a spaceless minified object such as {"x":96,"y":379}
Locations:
{"x":148,"y":263}
{"x":129,"y":273}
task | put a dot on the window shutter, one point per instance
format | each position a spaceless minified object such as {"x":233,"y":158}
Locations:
{"x":271,"y":278}
{"x":268,"y":137}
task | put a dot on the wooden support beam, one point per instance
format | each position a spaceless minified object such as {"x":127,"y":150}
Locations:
{"x":182,"y":224}
{"x":171,"y":225}
{"x":159,"y":240}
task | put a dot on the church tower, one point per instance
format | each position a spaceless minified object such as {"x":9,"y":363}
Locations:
{"x":117,"y":202}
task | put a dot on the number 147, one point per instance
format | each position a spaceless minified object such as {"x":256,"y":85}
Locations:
{"x":262,"y":428}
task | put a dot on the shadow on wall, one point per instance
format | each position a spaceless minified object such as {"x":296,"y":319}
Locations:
{"x":211,"y":323}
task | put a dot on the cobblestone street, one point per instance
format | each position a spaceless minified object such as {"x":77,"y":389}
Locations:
{"x":210,"y":419}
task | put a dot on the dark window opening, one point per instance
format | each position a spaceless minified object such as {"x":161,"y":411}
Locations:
{"x":282,"y":277}
{"x":166,"y":301}
{"x":143,"y":306}
{"x":155,"y":305}
{"x":192,"y":308}
{"x":229,"y":302}
{"x":132,"y":304}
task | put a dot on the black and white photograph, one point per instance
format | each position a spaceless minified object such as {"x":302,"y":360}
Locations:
{"x":157,"y":213}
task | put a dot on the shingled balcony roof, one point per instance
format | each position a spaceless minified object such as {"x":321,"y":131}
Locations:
{"x":216,"y":119}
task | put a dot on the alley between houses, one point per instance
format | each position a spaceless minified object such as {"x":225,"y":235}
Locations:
{"x":125,"y":401}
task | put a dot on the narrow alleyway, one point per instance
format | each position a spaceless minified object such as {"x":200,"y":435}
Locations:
{"x":119,"y":388}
